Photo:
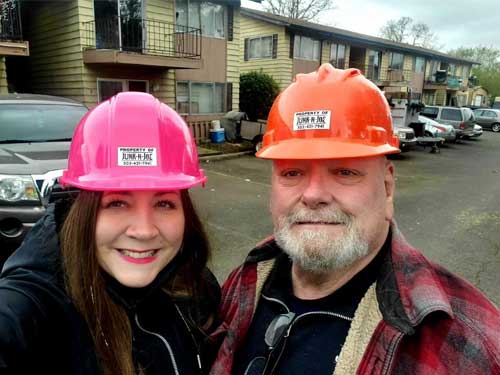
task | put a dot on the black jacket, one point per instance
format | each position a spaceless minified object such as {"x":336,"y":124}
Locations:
{"x":42,"y":332}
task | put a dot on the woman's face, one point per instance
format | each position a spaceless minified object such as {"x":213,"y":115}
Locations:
{"x":138,"y":233}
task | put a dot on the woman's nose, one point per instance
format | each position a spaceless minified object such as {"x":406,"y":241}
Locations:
{"x":142,"y":225}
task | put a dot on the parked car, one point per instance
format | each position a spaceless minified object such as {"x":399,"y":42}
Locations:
{"x":35,"y":135}
{"x":462,"y":119}
{"x":436,"y":129}
{"x":488,"y":118}
{"x":478,"y":131}
{"x":407,"y":139}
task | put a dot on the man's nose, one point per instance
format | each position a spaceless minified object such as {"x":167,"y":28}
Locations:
{"x":142,"y":225}
{"x":317,"y":192}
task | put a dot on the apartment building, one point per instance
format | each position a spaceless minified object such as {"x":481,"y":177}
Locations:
{"x":12,"y":43}
{"x":284,"y":47}
{"x":184,"y":52}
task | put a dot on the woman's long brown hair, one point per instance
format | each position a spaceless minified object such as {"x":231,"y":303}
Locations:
{"x":107,"y":321}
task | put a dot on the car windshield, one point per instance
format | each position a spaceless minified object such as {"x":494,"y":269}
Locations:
{"x":38,"y":122}
{"x":428,"y":120}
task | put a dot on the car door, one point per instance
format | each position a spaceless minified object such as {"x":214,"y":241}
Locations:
{"x":478,"y":113}
{"x":489,"y":117}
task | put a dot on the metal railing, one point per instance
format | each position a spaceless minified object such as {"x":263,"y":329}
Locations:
{"x":144,"y":36}
{"x":10,"y":21}
{"x":376,"y":73}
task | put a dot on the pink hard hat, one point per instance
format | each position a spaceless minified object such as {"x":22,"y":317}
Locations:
{"x":132,"y":142}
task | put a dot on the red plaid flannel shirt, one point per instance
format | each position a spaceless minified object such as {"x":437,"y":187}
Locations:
{"x":434,"y":322}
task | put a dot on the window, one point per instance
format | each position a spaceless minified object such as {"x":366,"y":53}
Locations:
{"x":490,"y":114}
{"x":451,"y":114}
{"x":260,"y":48}
{"x":396,"y":61}
{"x":374,"y":58}
{"x":208,"y":16}
{"x":430,"y":112}
{"x":337,"y":55}
{"x":107,"y":87}
{"x":431,"y":73}
{"x":451,"y":69}
{"x":305,"y":48}
{"x":465,"y":72}
{"x":200,"y":97}
{"x":419,"y":64}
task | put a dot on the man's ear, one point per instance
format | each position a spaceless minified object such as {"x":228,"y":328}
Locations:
{"x":390,"y":186}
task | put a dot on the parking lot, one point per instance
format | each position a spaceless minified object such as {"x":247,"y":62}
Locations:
{"x":447,"y":205}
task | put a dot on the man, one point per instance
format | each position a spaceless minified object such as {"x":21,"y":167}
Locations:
{"x":338,"y":290}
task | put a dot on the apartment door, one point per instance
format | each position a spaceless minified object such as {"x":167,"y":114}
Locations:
{"x":119,"y":25}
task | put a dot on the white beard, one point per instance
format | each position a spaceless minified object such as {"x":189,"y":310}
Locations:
{"x":319,"y":251}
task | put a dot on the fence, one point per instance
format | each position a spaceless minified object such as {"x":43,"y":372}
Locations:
{"x":200,"y":130}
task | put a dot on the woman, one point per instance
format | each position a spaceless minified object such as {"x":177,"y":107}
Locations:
{"x":114,"y":281}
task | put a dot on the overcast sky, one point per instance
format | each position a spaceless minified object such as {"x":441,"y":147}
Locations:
{"x":456,"y":22}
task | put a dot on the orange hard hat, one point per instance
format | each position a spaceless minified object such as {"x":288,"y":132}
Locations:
{"x":329,"y":114}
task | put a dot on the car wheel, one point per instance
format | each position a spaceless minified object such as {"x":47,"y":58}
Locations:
{"x":495,"y":128}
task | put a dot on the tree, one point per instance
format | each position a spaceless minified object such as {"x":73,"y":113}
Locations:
{"x":488,"y":73}
{"x":257,"y":93}
{"x":298,"y":9}
{"x":404,"y":30}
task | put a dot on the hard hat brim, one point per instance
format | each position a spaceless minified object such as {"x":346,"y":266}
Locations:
{"x":323,"y":149}
{"x":169,"y":183}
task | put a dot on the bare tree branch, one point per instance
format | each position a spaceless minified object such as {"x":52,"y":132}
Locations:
{"x":296,"y":9}
{"x":404,"y":30}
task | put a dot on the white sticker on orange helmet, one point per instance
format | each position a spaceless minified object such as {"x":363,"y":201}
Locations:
{"x":137,"y":157}
{"x":311,"y":120}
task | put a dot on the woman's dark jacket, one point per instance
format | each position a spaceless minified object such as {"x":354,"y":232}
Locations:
{"x":42,"y":332}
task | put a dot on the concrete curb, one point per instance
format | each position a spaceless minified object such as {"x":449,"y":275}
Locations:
{"x":225,"y":156}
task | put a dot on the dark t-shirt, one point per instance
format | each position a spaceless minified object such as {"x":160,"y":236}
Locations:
{"x":320,"y":326}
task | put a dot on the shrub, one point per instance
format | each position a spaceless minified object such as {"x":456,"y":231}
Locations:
{"x":257,"y":93}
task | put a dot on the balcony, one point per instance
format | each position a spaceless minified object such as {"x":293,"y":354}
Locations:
{"x":136,"y":41}
{"x":385,"y":77}
{"x":454,"y":82}
{"x":11,"y":36}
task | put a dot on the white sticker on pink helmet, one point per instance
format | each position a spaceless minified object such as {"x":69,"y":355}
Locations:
{"x":137,"y":157}
{"x":311,"y":120}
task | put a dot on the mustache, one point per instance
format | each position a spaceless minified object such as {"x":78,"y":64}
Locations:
{"x":327,"y":215}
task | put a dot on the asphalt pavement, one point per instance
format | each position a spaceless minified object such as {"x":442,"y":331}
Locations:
{"x":447,"y":204}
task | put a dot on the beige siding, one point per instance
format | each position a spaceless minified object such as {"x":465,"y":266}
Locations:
{"x":384,"y":64}
{"x":281,"y":67}
{"x":325,"y":51}
{"x":3,"y":76}
{"x":233,"y":59}
{"x":166,"y":92}
{"x":56,"y":64}
{"x":440,"y":97}
{"x":408,"y":63}
{"x":161,"y":20}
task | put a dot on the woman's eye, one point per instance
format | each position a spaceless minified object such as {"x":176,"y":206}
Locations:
{"x":165,"y":204}
{"x":115,"y":204}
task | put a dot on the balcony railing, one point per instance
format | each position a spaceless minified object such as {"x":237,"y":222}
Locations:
{"x":376,"y":73}
{"x":10,"y":21}
{"x":454,"y":82}
{"x":143,"y":36}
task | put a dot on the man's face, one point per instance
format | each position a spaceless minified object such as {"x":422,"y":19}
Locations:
{"x":328,"y":214}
